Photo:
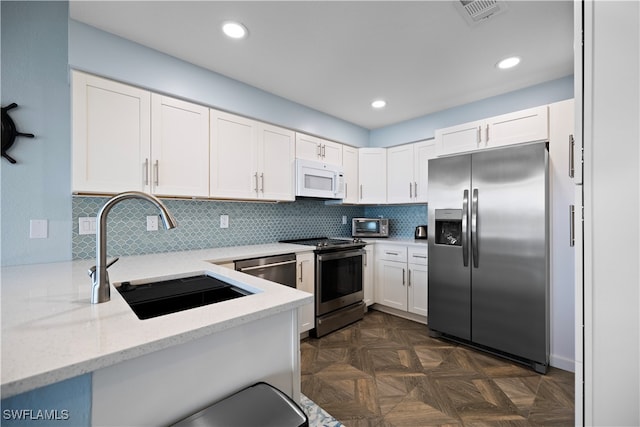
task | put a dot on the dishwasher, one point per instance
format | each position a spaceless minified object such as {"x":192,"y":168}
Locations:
{"x":278,"y":268}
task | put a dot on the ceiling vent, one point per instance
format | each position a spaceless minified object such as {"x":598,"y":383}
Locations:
{"x":476,"y":11}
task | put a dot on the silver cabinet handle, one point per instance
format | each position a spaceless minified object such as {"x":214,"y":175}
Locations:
{"x":146,"y":171}
{"x":419,"y":256}
{"x":572,"y":229}
{"x":487,"y":135}
{"x":275,"y":264}
{"x":478,"y":136}
{"x":415,"y":189}
{"x":319,"y":150}
{"x":255,"y":177}
{"x":409,"y":278}
{"x":156,"y":168}
{"x":572,"y":144}
{"x":410,"y":191}
{"x":262,"y":182}
{"x":392,"y":253}
{"x":364,"y":259}
{"x":324,"y":150}
{"x":346,"y":190}
{"x":474,"y":227}
{"x":403,"y":277}
{"x":300,"y":278}
{"x":465,"y":220}
{"x":360,"y":191}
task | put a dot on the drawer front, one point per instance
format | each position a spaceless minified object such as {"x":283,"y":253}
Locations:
{"x":418,"y":255}
{"x":391,"y":253}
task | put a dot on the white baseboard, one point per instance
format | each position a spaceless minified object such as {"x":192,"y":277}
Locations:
{"x":563,"y":363}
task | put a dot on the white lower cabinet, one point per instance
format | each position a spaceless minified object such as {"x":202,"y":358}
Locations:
{"x":305,"y":282}
{"x":418,"y":281}
{"x":368,"y":276}
{"x":401,"y":278}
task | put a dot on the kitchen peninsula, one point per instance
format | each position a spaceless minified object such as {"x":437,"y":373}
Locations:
{"x":154,"y":371}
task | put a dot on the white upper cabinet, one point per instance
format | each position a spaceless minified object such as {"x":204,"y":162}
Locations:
{"x":234,"y":151}
{"x":125,"y":138}
{"x":458,"y":139}
{"x":400,"y":182}
{"x":513,"y":128}
{"x":407,"y":170}
{"x":276,"y":163}
{"x":111,"y":146}
{"x":372,"y":175}
{"x":350,"y":169}
{"x":179,"y":163}
{"x":250,"y":160}
{"x":520,"y":126}
{"x":423,"y":151}
{"x":314,"y":148}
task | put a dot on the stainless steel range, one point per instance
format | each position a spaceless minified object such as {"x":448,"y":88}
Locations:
{"x":338,"y":282}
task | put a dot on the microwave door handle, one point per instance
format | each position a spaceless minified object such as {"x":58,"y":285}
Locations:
{"x":465,"y":220}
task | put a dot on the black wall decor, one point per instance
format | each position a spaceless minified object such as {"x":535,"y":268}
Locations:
{"x":9,"y":132}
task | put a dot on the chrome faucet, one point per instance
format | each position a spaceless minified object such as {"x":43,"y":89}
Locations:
{"x":100,"y":291}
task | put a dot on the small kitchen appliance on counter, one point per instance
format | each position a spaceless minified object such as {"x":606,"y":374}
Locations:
{"x":370,"y":227}
{"x":421,"y":232}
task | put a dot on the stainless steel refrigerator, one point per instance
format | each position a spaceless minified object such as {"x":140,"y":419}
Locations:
{"x":489,"y":251}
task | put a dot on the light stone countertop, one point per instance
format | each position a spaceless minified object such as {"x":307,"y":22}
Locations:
{"x":51,"y":331}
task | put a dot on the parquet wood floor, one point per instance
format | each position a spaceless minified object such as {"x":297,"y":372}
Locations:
{"x":386,"y":371}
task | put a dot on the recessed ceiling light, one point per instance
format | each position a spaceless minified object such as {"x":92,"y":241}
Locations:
{"x":508,"y":63}
{"x":235,"y":30}
{"x":379,"y":103}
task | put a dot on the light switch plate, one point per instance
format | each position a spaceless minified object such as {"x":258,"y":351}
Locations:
{"x":344,"y":219}
{"x":224,"y":221}
{"x":87,"y":225}
{"x":38,"y":229}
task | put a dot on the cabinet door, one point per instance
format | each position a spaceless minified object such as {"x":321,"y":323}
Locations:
{"x":179,"y":147}
{"x":306,"y":281}
{"x":350,"y":168}
{"x":331,"y":152}
{"x":308,"y":147}
{"x":111,"y":136}
{"x":521,"y":126}
{"x":400,"y":182}
{"x":368,"y":279}
{"x":417,"y":289}
{"x":372,"y":175}
{"x":458,"y":139}
{"x":391,"y":283}
{"x":276,"y":159}
{"x":234,"y":171}
{"x":423,"y":151}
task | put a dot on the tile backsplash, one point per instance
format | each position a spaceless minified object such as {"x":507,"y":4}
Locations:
{"x":249,"y":223}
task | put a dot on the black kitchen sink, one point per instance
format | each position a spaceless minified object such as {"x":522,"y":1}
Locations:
{"x":169,"y":296}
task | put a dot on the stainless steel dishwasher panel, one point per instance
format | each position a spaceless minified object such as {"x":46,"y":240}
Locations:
{"x":278,"y":268}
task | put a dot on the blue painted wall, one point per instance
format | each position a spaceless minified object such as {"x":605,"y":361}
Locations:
{"x":67,"y":403}
{"x":34,"y":76}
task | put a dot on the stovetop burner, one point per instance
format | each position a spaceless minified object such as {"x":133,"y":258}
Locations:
{"x":325,"y":243}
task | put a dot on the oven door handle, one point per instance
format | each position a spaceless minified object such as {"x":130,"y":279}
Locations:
{"x":275,"y":264}
{"x":340,"y":254}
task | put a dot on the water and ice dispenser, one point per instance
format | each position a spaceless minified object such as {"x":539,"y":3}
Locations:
{"x":448,"y":227}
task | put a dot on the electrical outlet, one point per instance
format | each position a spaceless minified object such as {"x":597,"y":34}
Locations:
{"x":344,"y":219}
{"x":224,"y":221}
{"x":152,"y":223}
{"x":87,"y":225}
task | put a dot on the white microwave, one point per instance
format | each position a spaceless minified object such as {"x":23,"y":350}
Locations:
{"x":317,"y":179}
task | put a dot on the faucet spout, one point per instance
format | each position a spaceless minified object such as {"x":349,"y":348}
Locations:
{"x":100,"y":291}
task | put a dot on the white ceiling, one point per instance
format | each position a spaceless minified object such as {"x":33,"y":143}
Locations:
{"x":338,"y":56}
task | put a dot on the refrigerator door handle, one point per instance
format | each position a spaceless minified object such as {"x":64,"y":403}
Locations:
{"x":465,"y":240}
{"x":474,"y":227}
